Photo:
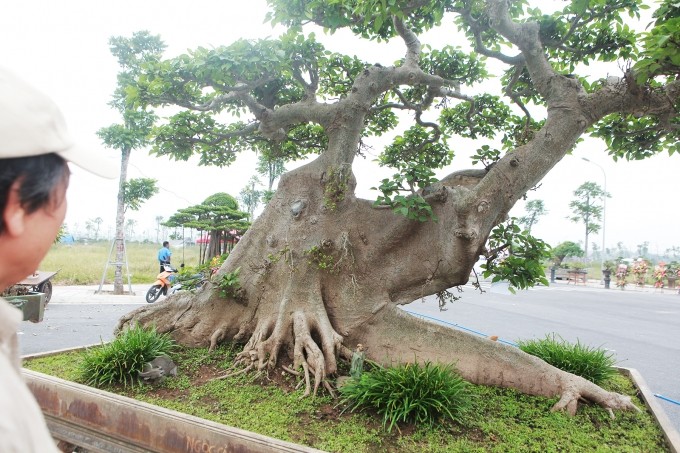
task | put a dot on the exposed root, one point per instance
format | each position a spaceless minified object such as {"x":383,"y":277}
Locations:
{"x":607,"y":400}
{"x":330,"y":389}
{"x":235,"y":373}
{"x":310,"y":337}
{"x":291,"y":371}
{"x":216,"y":338}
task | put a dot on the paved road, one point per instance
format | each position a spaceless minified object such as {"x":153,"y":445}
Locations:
{"x":78,"y":316}
{"x":642,"y":327}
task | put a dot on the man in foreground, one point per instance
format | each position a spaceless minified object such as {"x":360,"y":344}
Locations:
{"x":34,"y":175}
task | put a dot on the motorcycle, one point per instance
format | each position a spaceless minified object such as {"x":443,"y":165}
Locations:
{"x":170,"y":282}
{"x":164,"y":281}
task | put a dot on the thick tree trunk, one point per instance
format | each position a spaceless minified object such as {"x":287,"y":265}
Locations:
{"x":323,"y":271}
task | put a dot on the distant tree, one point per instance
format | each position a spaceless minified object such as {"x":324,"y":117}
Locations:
{"x":622,"y":250}
{"x":132,"y":133}
{"x":673,"y":252}
{"x":219,"y":215}
{"x":137,"y":191}
{"x":130,"y":227}
{"x":92,"y":226}
{"x":565,"y":249}
{"x":586,"y":208}
{"x":272,"y":168}
{"x":159,"y":220}
{"x":535,"y":209}
{"x":251,"y":197}
{"x":643,"y":249}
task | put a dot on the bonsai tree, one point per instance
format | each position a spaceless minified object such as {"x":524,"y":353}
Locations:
{"x":219,"y":216}
{"x":565,"y":249}
{"x":322,"y":270}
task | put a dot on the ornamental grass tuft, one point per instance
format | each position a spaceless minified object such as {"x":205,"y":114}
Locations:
{"x":593,"y":364}
{"x":415,"y":393}
{"x":120,"y":361}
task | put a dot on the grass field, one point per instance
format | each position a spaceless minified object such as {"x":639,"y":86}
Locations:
{"x":84,"y":264}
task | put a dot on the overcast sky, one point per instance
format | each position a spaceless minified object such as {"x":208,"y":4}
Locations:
{"x":62,"y":47}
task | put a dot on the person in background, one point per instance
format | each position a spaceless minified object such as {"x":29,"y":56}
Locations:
{"x":34,"y":150}
{"x":164,"y":255}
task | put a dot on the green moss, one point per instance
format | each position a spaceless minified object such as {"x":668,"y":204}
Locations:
{"x":499,"y":420}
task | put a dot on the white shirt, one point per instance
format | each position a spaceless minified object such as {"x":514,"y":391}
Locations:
{"x":22,"y":425}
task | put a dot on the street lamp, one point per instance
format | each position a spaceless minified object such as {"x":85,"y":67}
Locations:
{"x":604,"y":203}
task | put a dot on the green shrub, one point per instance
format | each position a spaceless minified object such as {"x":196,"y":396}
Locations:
{"x":121,"y":360}
{"x":594,"y":364}
{"x":409,"y":393}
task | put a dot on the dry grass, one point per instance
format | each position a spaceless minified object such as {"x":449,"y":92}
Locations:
{"x":84,"y":264}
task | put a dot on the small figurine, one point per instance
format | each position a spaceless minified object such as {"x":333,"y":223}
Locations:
{"x":357,"y":365}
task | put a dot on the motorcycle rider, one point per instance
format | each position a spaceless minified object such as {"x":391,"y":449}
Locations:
{"x":164,"y":255}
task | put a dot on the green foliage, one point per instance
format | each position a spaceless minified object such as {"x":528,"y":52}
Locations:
{"x":230,"y":284}
{"x":490,"y":115}
{"x":565,"y":249}
{"x":192,"y":277}
{"x":608,"y":265}
{"x":319,"y":258}
{"x":593,"y":364}
{"x":586,"y":208}
{"x":250,"y":196}
{"x":516,"y":257}
{"x":137,"y":191}
{"x":218,"y":214}
{"x":414,"y":154}
{"x":409,"y":393}
{"x":535,"y":209}
{"x":119,"y":362}
{"x":660,"y":57}
{"x":588,"y":31}
{"x":486,"y":155}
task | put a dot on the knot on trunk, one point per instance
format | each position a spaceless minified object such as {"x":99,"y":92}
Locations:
{"x":297,"y":207}
{"x":467,"y":235}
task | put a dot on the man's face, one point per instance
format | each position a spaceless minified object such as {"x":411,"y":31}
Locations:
{"x":41,"y":228}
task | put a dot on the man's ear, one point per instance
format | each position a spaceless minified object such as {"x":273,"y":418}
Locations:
{"x":15,"y":214}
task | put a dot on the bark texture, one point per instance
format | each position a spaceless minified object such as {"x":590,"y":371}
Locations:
{"x":317,"y":281}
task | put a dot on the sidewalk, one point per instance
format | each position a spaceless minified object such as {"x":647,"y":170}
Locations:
{"x":87,"y":294}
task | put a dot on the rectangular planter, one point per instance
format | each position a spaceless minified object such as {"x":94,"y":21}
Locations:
{"x":101,"y":421}
{"x":105,"y":422}
{"x":32,"y":305}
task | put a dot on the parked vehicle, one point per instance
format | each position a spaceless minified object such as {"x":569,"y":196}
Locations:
{"x":164,"y":281}
{"x":169,"y":282}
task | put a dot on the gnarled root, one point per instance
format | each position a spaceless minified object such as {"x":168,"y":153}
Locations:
{"x":399,"y":337}
{"x":583,"y":390}
{"x":310,"y":338}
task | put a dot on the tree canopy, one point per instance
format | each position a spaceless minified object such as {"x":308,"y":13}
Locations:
{"x":275,"y":96}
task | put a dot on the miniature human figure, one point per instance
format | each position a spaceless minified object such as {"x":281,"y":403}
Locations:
{"x":357,"y":365}
{"x":164,"y":255}
{"x":34,"y":176}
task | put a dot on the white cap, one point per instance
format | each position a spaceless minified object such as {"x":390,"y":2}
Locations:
{"x":31,"y":125}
